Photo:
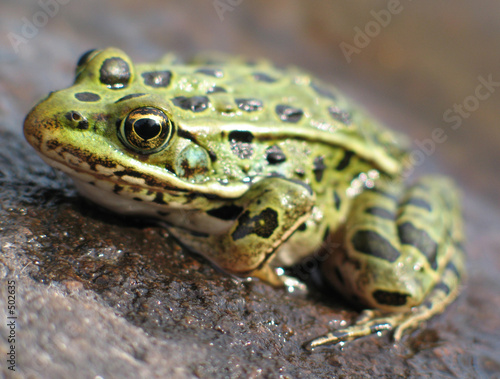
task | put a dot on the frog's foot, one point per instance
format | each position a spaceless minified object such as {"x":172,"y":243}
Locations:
{"x":369,"y":322}
{"x":375,"y":321}
{"x":442,"y":295}
{"x":277,"y":278}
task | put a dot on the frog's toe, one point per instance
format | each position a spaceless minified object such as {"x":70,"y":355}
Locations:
{"x":365,"y":326}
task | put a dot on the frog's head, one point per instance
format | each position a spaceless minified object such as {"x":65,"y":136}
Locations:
{"x":115,"y":128}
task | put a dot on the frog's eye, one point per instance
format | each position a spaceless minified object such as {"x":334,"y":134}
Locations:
{"x":146,"y":130}
{"x":115,"y":73}
{"x":110,"y":67}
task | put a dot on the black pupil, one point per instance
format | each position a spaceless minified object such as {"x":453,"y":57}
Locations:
{"x":147,"y":128}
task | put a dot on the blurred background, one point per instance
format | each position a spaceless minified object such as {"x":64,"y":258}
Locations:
{"x":415,"y":65}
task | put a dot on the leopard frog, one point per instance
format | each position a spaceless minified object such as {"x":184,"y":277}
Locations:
{"x":256,"y":167}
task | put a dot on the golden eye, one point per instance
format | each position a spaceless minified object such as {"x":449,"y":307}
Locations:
{"x":146,"y":130}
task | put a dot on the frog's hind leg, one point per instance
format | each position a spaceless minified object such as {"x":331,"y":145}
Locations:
{"x":441,"y":295}
{"x":402,"y":257}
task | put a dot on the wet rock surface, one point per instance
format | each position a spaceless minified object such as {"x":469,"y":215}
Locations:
{"x":97,"y":294}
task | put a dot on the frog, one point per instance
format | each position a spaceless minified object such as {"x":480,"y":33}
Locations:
{"x":255,"y":167}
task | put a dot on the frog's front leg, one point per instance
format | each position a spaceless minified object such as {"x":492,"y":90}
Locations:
{"x":270,"y":211}
{"x":402,"y":257}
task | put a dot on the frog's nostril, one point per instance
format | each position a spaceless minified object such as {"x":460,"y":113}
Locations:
{"x":77,"y":120}
{"x":74,"y":116}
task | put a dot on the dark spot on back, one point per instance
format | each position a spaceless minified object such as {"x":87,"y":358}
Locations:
{"x":323,"y":91}
{"x":340,"y":115}
{"x":157,"y":79}
{"x":226,"y":212}
{"x":451,"y":267}
{"x":336,"y":200}
{"x":390,"y":298}
{"x":318,"y":168}
{"x":262,"y":77}
{"x":302,"y":227}
{"x":215,"y":72}
{"x":344,"y":162}
{"x":381,"y":192}
{"x":289,"y":114}
{"x":249,"y":105}
{"x":241,"y":136}
{"x":371,"y":243}
{"x":241,"y":143}
{"x":128,"y":97}
{"x":442,"y":287}
{"x":212,"y":155}
{"x":381,"y":213}
{"x":216,"y":89}
{"x":87,"y":96}
{"x":418,"y":238}
{"x":115,"y":73}
{"x":275,"y":155}
{"x":418,"y":202}
{"x":300,"y":172}
{"x":194,"y":104}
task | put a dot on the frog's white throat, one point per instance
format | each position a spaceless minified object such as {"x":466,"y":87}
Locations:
{"x":174,"y":213}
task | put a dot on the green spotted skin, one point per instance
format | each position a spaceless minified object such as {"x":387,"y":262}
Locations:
{"x":255,"y":167}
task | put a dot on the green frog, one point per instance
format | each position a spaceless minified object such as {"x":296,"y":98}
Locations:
{"x":256,"y":167}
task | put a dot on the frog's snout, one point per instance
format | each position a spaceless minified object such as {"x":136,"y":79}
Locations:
{"x":32,"y":128}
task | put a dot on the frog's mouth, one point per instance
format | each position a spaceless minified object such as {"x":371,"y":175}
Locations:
{"x":124,"y":198}
{"x":141,"y":180}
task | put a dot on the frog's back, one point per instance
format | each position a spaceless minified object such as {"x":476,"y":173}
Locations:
{"x":275,"y":103}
